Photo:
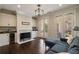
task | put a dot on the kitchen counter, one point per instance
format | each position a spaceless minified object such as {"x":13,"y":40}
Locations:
{"x":7,"y":32}
{"x":5,"y":29}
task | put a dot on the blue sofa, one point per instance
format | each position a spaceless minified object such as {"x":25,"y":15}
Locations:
{"x":74,"y":46}
{"x":58,"y":46}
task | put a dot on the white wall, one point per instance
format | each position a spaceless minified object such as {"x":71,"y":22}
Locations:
{"x":20,"y":27}
{"x":34,"y":22}
{"x":77,"y":21}
{"x":23,"y":18}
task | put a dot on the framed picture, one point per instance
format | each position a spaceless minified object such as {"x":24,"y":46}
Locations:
{"x":25,"y":23}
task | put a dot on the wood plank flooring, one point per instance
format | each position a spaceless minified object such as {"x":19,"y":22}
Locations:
{"x":36,"y":46}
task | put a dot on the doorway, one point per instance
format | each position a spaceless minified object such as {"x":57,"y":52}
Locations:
{"x":45,"y":28}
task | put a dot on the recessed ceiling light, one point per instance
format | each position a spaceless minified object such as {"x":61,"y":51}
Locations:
{"x":60,"y":4}
{"x":19,"y":6}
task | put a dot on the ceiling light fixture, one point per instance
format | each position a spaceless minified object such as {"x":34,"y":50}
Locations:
{"x":19,"y":6}
{"x":38,"y":11}
{"x":60,"y":4}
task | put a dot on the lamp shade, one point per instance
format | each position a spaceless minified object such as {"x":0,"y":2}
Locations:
{"x":76,"y":28}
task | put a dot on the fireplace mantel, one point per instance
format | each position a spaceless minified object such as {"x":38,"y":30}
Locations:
{"x":26,"y":40}
{"x":22,"y":31}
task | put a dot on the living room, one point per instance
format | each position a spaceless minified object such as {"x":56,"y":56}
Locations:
{"x":23,"y":31}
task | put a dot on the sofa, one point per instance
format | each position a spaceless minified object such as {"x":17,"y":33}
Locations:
{"x":74,"y":46}
{"x":61,"y":45}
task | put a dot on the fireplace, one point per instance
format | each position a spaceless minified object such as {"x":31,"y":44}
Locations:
{"x":25,"y":36}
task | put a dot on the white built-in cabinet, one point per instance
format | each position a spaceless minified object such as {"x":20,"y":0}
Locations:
{"x":33,"y":34}
{"x":65,"y":22}
{"x":4,"y":39}
{"x":7,"y":19}
{"x":60,"y":21}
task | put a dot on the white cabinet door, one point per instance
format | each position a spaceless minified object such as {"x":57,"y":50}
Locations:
{"x":34,"y":34}
{"x":12,"y":20}
{"x":4,"y":39}
{"x":68,"y":20}
{"x":3,"y":19}
{"x":7,"y":20}
{"x":60,"y":25}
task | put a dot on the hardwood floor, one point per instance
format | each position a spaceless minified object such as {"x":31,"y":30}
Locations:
{"x":36,"y":46}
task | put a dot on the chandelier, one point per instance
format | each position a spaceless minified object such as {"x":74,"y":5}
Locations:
{"x":38,"y":11}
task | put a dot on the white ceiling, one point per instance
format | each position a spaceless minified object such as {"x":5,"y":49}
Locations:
{"x":28,"y":9}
